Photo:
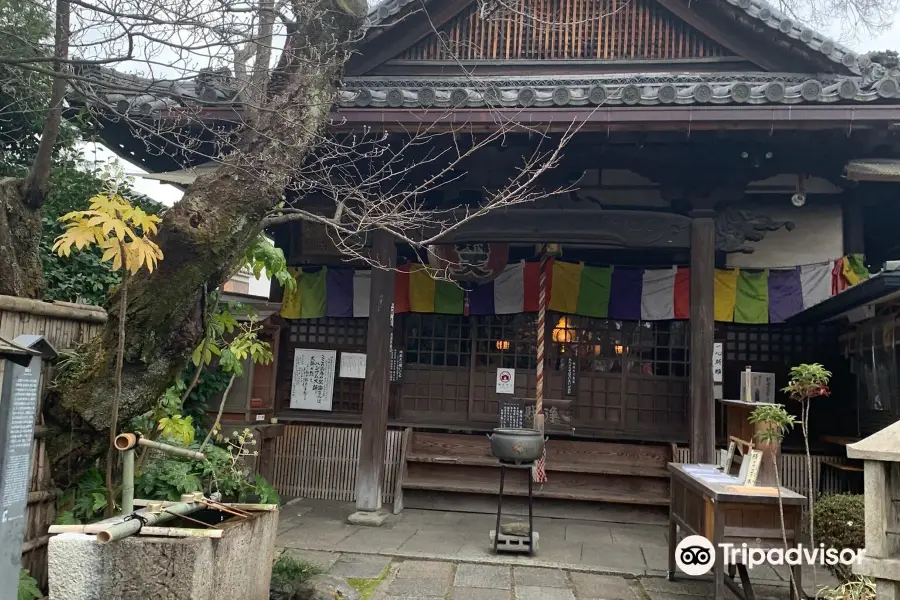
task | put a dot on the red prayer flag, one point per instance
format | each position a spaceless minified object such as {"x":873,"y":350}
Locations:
{"x":401,"y":289}
{"x":532,"y":277}
{"x":683,"y":293}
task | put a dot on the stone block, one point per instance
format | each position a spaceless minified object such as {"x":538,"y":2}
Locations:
{"x":360,"y":566}
{"x":418,"y":588}
{"x":609,"y":587}
{"x":483,"y":576}
{"x":535,"y":576}
{"x":237,"y":565}
{"x":459,"y":593}
{"x":528,"y":592}
{"x":367,"y":518}
{"x":424,"y":569}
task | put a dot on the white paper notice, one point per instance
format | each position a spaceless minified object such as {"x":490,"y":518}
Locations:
{"x":312,"y":385}
{"x":353,"y":365}
{"x":718,"y":362}
{"x":506,"y":381}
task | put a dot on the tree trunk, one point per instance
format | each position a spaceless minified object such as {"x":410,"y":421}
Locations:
{"x":20,"y":237}
{"x":203,"y":239}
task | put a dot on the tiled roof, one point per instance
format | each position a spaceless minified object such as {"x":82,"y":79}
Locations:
{"x":627,"y":90}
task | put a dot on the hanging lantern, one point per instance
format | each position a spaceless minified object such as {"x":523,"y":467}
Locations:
{"x":564,"y":332}
{"x":502,"y":345}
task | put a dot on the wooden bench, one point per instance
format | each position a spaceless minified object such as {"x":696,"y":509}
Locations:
{"x":584,"y":471}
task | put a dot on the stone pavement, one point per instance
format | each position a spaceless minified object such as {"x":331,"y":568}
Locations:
{"x":446,"y":555}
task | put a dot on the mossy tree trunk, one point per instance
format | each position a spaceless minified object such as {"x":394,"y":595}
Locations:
{"x":203,"y":239}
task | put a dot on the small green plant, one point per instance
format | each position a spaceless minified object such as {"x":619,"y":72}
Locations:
{"x":28,"y":587}
{"x":85,"y":502}
{"x":858,"y":588}
{"x":840,"y":524}
{"x":772,"y":422}
{"x":290,"y":570}
{"x":366,"y":587}
{"x":808,"y":381}
{"x":223,"y":471}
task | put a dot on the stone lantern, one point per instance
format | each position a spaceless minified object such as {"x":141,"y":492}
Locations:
{"x":881,"y":560}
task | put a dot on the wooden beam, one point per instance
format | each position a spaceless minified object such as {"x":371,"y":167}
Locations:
{"x":729,"y":36}
{"x":376,"y":396}
{"x":702,"y":404}
{"x":427,"y":20}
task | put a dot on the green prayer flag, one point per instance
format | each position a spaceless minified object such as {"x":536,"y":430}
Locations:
{"x":751,"y":303}
{"x":857,"y":265}
{"x":593,"y":293}
{"x":312,"y":294}
{"x":448,"y":298}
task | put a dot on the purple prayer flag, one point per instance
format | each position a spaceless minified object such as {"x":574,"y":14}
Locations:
{"x":785,"y":294}
{"x":481,"y":299}
{"x":625,"y":294}
{"x":339,"y":293}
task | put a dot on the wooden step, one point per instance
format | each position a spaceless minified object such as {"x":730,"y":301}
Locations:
{"x":551,"y":465}
{"x":521,"y":489}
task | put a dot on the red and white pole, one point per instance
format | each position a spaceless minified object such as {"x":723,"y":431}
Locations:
{"x":538,"y":473}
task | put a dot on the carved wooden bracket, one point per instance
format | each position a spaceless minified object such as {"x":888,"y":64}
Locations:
{"x":734,"y":228}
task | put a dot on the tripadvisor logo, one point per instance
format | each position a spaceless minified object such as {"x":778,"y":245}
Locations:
{"x":695,"y":555}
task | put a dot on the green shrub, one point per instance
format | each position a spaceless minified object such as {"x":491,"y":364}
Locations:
{"x":28,"y":587}
{"x":288,"y":574}
{"x":840,"y":523}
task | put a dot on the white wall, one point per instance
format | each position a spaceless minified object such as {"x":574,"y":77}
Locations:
{"x":817,"y":236}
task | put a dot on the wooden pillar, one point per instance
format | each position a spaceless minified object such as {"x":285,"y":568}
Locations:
{"x":702,"y":403}
{"x":376,"y":396}
{"x":852,"y":210}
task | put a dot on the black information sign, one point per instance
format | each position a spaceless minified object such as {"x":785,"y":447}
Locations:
{"x":396,"y":365}
{"x":18,"y":407}
{"x":571,"y":370}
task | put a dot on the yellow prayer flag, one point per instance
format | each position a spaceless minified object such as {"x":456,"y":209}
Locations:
{"x":421,"y":289}
{"x":565,"y":285}
{"x":724,"y":294}
{"x":290,"y":302}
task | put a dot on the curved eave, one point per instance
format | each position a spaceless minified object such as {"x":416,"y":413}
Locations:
{"x":624,"y":90}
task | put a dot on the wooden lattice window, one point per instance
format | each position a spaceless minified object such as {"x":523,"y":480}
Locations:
{"x":608,"y":346}
{"x":776,"y":343}
{"x":508,"y":341}
{"x":566,"y":29}
{"x":330,"y":333}
{"x":439,"y":340}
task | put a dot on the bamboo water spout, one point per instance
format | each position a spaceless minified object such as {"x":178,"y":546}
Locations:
{"x":133,"y":524}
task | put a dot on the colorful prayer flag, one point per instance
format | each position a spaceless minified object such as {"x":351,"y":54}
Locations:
{"x":566,"y":286}
{"x":658,"y":294}
{"x":752,"y":297}
{"x":509,"y":290}
{"x":449,"y":298}
{"x":625,"y":297}
{"x":785,"y":294}
{"x":815,"y":283}
{"x":339,"y":293}
{"x":683,"y":293}
{"x":401,"y":289}
{"x":421,"y":289}
{"x":724,"y":294}
{"x":362,"y":289}
{"x":290,"y":302}
{"x":312,"y":293}
{"x":594,"y":291}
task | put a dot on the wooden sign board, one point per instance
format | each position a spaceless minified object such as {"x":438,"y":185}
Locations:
{"x":312,"y":383}
{"x":761,"y":388}
{"x":750,"y":468}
